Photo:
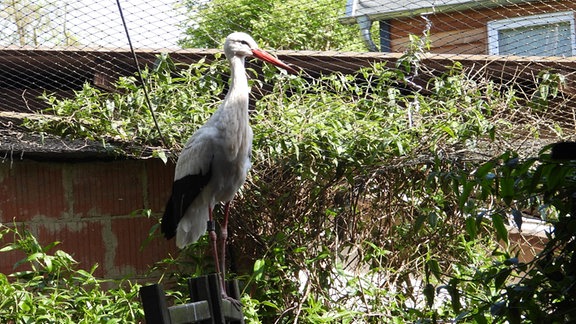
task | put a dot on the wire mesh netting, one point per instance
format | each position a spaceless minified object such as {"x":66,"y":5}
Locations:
{"x":58,"y":46}
{"x":89,"y":24}
{"x":524,"y":47}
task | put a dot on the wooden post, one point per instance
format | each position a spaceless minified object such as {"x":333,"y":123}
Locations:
{"x":154,"y":304}
{"x":236,"y":315}
{"x":208,"y":288}
{"x":207,"y":306}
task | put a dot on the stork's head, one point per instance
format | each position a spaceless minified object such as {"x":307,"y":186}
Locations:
{"x":242,"y":45}
{"x":239,"y":44}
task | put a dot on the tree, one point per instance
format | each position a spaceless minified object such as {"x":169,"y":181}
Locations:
{"x":28,"y":22}
{"x":281,"y":24}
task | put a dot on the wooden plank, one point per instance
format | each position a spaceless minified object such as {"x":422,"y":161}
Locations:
{"x":471,"y":41}
{"x":459,"y":37}
{"x":313,"y":62}
{"x":190,"y":313}
{"x":31,"y":116}
{"x":470,"y":48}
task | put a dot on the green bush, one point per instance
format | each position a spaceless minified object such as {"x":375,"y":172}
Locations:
{"x":121,"y":118}
{"x":371,"y":198}
{"x":543,"y":289}
{"x":54,"y":290}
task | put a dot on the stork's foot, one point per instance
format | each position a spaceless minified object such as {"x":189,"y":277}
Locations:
{"x":235,"y":302}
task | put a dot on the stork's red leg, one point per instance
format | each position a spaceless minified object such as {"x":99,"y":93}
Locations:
{"x":213,"y":239}
{"x":220,"y":266}
{"x":223,"y":239}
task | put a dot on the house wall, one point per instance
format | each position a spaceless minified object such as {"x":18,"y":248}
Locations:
{"x":92,"y":208}
{"x":465,"y":32}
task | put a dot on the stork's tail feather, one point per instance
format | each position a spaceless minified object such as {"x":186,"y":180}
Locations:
{"x":169,"y":221}
{"x":191,"y":226}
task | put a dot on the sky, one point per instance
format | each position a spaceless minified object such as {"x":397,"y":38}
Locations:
{"x":151,"y":23}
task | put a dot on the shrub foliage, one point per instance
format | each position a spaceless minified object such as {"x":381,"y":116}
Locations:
{"x":52,"y":289}
{"x":371,"y":196}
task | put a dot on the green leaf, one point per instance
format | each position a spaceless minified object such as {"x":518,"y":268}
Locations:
{"x":483,"y":170}
{"x":428,"y":292}
{"x":419,"y":222}
{"x":161,"y":154}
{"x":9,"y":247}
{"x":270,"y":304}
{"x":50,"y":246}
{"x":501,"y":231}
{"x":454,"y":295}
{"x":463,"y":198}
{"x":556,"y":177}
{"x":48,"y":263}
{"x":35,"y":256}
{"x":501,"y":278}
{"x":507,"y":189}
{"x":471,"y":227}
{"x":449,"y":131}
{"x":433,"y":219}
{"x":434,"y":267}
{"x":259,"y":266}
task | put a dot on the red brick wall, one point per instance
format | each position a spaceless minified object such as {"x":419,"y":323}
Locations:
{"x":92,"y":208}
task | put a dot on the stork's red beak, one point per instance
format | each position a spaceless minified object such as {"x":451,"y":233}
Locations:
{"x":258,"y":53}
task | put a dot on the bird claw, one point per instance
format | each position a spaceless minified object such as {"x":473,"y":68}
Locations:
{"x":234,"y":302}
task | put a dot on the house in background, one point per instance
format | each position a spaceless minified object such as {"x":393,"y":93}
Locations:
{"x":481,"y":27}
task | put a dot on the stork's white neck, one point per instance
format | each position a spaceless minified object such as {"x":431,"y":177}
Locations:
{"x":233,"y":112}
{"x":232,"y":116}
{"x":238,"y":79}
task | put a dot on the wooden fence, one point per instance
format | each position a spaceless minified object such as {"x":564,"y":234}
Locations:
{"x":206,"y":307}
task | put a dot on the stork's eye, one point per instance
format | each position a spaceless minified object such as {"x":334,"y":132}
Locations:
{"x":245,"y":43}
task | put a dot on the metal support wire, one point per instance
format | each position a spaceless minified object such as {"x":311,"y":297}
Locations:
{"x":146,"y":96}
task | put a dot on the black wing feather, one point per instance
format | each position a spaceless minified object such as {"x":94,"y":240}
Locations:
{"x":184,"y":191}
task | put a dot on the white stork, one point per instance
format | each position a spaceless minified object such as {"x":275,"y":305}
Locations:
{"x":215,"y":161}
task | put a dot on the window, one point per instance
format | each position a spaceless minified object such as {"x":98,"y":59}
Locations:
{"x":539,"y":35}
